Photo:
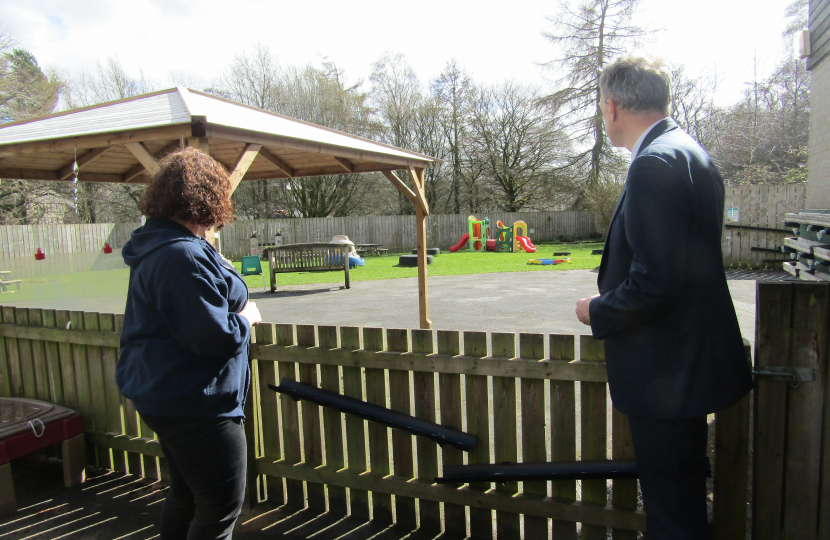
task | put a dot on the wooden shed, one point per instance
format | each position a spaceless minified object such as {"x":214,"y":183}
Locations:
{"x":122,"y":141}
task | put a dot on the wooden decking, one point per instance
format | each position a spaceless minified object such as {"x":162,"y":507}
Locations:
{"x":111,"y":505}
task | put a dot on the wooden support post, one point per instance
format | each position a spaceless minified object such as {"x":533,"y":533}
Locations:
{"x":418,"y":180}
{"x":243,"y":163}
{"x":421,"y":213}
{"x":403,"y":188}
{"x":73,"y":452}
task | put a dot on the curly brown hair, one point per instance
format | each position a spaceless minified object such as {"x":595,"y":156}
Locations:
{"x":191,"y":186}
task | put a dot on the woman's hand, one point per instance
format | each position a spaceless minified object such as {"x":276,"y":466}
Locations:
{"x":251,"y":312}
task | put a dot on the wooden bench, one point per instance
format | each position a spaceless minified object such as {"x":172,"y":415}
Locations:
{"x":313,"y":257}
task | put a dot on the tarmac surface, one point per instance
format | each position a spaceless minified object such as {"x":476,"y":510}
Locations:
{"x":537,"y":302}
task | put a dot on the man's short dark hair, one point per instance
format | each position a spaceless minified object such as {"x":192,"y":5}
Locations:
{"x":637,"y":84}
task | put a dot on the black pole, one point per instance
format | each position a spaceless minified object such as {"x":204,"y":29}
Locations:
{"x":556,"y":470}
{"x":374,"y":413}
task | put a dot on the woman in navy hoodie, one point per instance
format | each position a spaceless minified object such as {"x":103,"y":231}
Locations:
{"x":184,"y":346}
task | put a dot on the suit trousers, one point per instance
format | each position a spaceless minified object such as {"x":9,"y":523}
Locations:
{"x":207,"y":460}
{"x":673,"y":466}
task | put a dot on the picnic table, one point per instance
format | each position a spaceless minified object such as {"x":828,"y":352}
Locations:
{"x":4,"y":283}
{"x":370,"y":248}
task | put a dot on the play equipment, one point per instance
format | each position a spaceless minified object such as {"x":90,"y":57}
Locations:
{"x":478,"y":231}
{"x":460,"y":243}
{"x":354,"y":258}
{"x":412,"y":260}
{"x":555,"y":470}
{"x":374,"y":413}
{"x":252,"y":266}
{"x":512,"y":239}
{"x":549,"y":261}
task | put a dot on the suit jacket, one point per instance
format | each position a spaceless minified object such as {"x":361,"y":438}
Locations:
{"x":672,"y":342}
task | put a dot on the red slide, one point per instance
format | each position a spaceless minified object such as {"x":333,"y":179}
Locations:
{"x":460,"y":243}
{"x":527,"y":245}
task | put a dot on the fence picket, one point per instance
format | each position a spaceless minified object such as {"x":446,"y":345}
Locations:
{"x":429,"y":512}
{"x":504,"y":424}
{"x":594,"y":432}
{"x":402,"y":455}
{"x":269,"y":413}
{"x":381,"y":465}
{"x":532,"y":349}
{"x":449,"y":343}
{"x":294,"y":493}
{"x":355,"y":427}
{"x":478,"y":423}
{"x":563,"y":430}
{"x":332,"y":421}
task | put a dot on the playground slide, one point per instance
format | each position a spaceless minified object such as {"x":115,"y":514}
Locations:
{"x":461,"y":243}
{"x":526,"y":244}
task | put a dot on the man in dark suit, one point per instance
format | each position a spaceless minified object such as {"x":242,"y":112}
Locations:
{"x":673,"y":346}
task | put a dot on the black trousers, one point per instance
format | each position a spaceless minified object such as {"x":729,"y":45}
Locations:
{"x":672,"y":464}
{"x":207,"y":459}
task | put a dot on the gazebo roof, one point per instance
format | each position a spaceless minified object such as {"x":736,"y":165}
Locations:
{"x":119,"y":141}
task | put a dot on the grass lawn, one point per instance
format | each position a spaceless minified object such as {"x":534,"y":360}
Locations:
{"x":113,"y":283}
{"x":449,"y":264}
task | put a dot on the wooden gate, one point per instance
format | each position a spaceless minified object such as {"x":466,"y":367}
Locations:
{"x":791,"y":465}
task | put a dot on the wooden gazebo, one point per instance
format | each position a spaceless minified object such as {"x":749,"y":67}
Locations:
{"x":122,"y":141}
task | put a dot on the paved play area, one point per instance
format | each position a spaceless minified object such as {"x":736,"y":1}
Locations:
{"x":540,"y":302}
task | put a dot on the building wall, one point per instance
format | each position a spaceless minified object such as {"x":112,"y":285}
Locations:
{"x":818,"y":182}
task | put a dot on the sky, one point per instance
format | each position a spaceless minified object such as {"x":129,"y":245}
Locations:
{"x":493,"y":41}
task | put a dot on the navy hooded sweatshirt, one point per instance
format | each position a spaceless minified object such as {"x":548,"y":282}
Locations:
{"x":184,"y":346}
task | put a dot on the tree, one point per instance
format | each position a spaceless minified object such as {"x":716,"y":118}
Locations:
{"x":93,"y":202}
{"x":453,"y":88}
{"x":590,"y":33}
{"x":313,"y":94}
{"x":692,"y":105}
{"x":26,"y":91}
{"x":518,"y":141}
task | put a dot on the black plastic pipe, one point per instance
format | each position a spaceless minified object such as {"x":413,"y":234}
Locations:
{"x":374,"y":413}
{"x":555,"y":470}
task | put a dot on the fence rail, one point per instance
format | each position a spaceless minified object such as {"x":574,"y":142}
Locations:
{"x":522,"y":394}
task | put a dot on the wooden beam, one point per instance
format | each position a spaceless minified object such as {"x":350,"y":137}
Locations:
{"x":417,"y":176}
{"x":277,"y":162}
{"x":403,"y":188}
{"x":144,"y":156}
{"x":139,"y":169}
{"x":28,"y":174}
{"x":200,"y":143}
{"x":88,"y":157}
{"x":243,"y":162}
{"x":277,"y":141}
{"x":96,"y":141}
{"x":345,"y":163}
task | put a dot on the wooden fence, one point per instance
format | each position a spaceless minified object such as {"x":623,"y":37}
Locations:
{"x":397,"y":233}
{"x":757,"y":212}
{"x":522,"y":395}
{"x":756,"y":208}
